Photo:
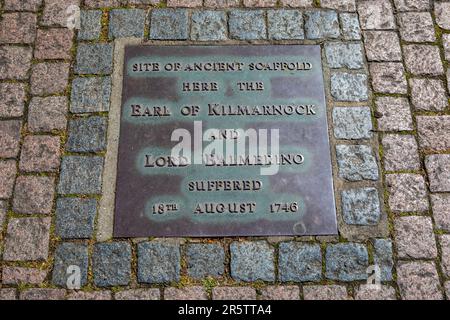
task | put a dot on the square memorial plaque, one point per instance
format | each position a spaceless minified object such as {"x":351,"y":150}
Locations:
{"x":223,"y":141}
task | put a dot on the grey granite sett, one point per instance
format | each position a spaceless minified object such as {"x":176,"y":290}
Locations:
{"x":81,"y":175}
{"x":322,"y":24}
{"x":111,"y":264}
{"x":356,"y":162}
{"x":252,"y":261}
{"x":352,"y":123}
{"x":361,"y":206}
{"x":87,"y":134}
{"x":126,"y":23}
{"x":205,"y":260}
{"x":285,"y":24}
{"x":70,"y":255}
{"x":383,"y":258}
{"x":209,"y":25}
{"x":75,"y":217}
{"x":299,"y":262}
{"x":90,"y":94}
{"x":169,"y":24}
{"x":90,"y":25}
{"x":247,"y":24}
{"x":350,"y":26}
{"x":349,"y":87}
{"x":158,"y":262}
{"x":94,"y":58}
{"x":344,"y":55}
{"x":346,"y":262}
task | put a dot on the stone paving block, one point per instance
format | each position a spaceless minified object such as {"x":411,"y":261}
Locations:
{"x":8,"y":173}
{"x":54,"y":43}
{"x":9,"y":138}
{"x":282,"y":293}
{"x":43,"y":294}
{"x":16,"y":62}
{"x":423,"y":60}
{"x":414,"y":238}
{"x":103,"y":3}
{"x":260,"y":3}
{"x":8,"y":294}
{"x":184,"y":3}
{"x":49,"y":78}
{"x":18,"y":27}
{"x":142,"y":2}
{"x":233,"y":293}
{"x":346,"y":262}
{"x":187,"y":293}
{"x":94,"y":58}
{"x":95,"y":295}
{"x":209,"y":25}
{"x":22,"y":5}
{"x":169,"y":24}
{"x":81,"y":175}
{"x":19,"y":275}
{"x":416,"y":27}
{"x":321,"y":24}
{"x":297,"y":3}
{"x":444,"y":241}
{"x":47,"y":114}
{"x":418,"y":281}
{"x":205,"y":260}
{"x":344,"y":55}
{"x":407,"y":193}
{"x":87,"y":134}
{"x":40,"y":154}
{"x":66,"y":255}
{"x":361,"y":206}
{"x":442,"y":12}
{"x":412,"y":5}
{"x":377,"y":14}
{"x":27,"y":239}
{"x":34,"y":195}
{"x":90,"y":94}
{"x":12,"y":99}
{"x":325,"y":292}
{"x":383,"y":257}
{"x":434,"y":132}
{"x":382,"y":46}
{"x":57,"y":12}
{"x":349,"y":87}
{"x":440,"y":204}
{"x":388,"y":77}
{"x":126,"y":23}
{"x":3,"y":209}
{"x":90,"y":25}
{"x":352,"y":123}
{"x":344,"y":5}
{"x":438,"y":170}
{"x":350,"y":26}
{"x":446,"y":42}
{"x":356,"y":163}
{"x":285,"y":24}
{"x":111,"y":264}
{"x":75,"y":218}
{"x":252,"y":261}
{"x":247,"y":24}
{"x":368,"y":292}
{"x":221,"y":3}
{"x":138,"y":294}
{"x":158,"y":262}
{"x":428,"y":94}
{"x":447,"y":289}
{"x":299,"y":262}
{"x":400,"y":152}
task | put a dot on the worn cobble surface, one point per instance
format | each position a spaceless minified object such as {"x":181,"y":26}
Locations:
{"x":387,"y":75}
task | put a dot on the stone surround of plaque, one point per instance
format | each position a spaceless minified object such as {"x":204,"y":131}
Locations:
{"x":197,"y":148}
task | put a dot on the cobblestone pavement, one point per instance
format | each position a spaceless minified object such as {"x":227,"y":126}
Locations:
{"x":391,"y":93}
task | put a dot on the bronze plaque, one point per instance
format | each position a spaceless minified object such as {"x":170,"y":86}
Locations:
{"x":223,"y":141}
